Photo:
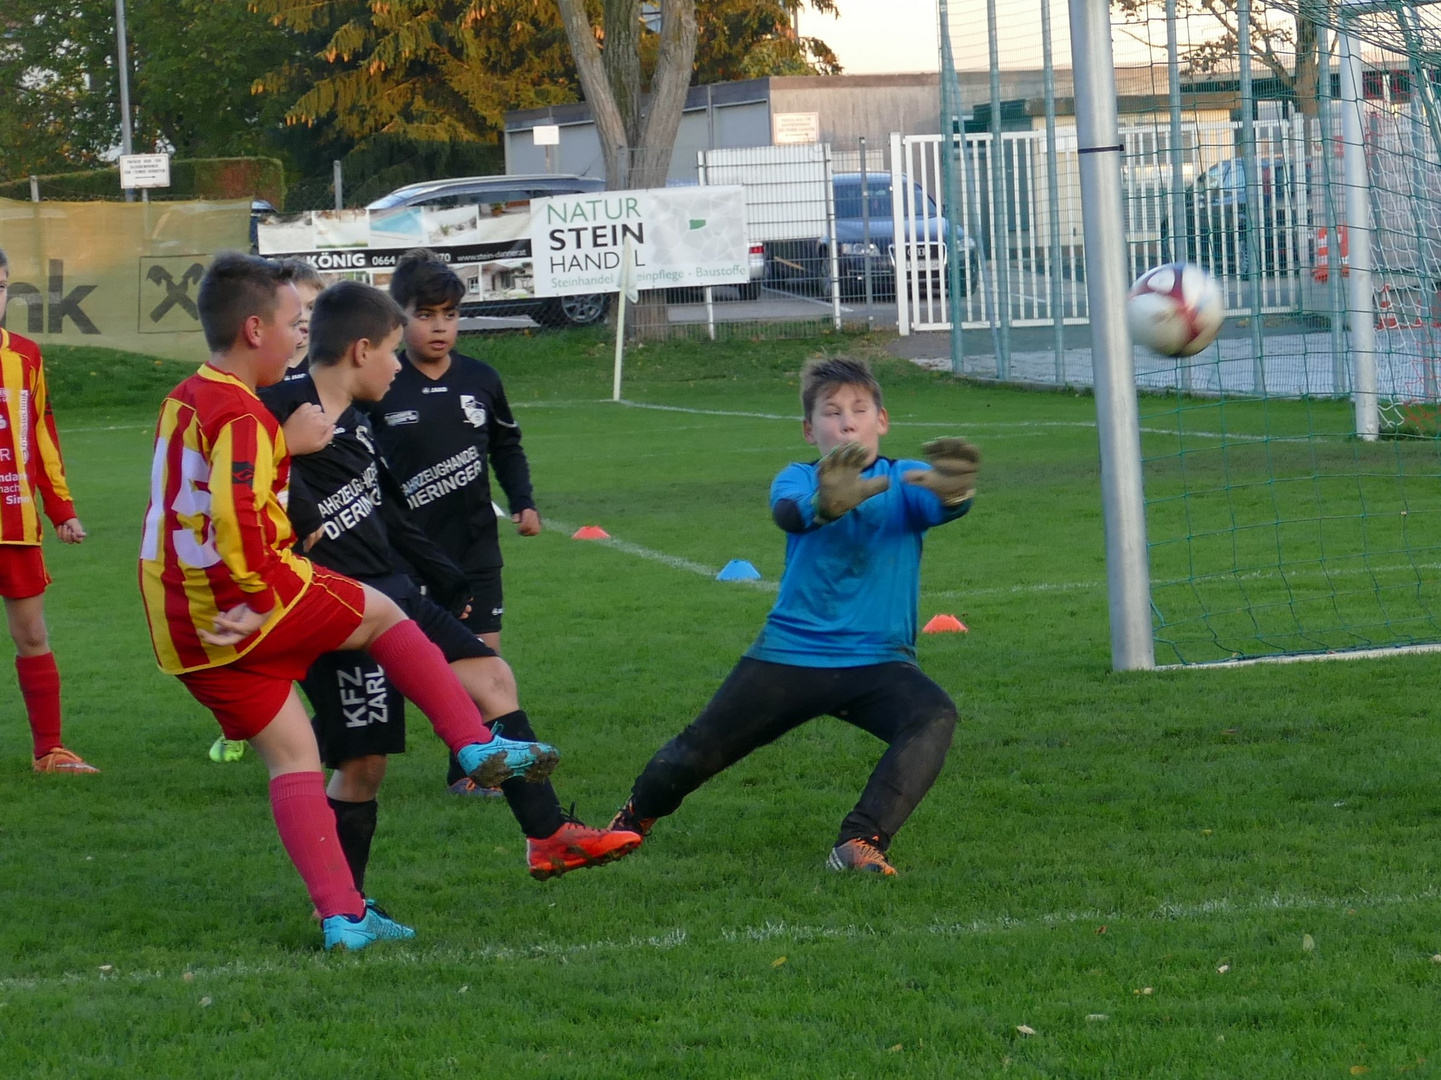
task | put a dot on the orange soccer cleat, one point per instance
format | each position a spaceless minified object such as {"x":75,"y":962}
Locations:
{"x":63,"y":761}
{"x":861,"y":855}
{"x":626,"y":819}
{"x":576,"y":845}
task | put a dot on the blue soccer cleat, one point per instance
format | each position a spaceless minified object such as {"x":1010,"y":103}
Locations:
{"x":491,"y":764}
{"x":352,"y":934}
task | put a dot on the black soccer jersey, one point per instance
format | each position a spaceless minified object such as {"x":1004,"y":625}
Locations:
{"x":442,"y":437}
{"x":346,"y":490}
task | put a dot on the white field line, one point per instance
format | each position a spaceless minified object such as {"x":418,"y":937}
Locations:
{"x":413,"y":957}
{"x":1306,"y":658}
{"x":950,"y":424}
{"x":675,"y":562}
{"x":1250,"y":575}
{"x":113,"y":427}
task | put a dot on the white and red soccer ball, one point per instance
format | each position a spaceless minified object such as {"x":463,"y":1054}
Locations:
{"x":1175,"y":309}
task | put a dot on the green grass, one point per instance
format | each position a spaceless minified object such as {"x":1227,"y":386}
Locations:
{"x":1099,"y":845}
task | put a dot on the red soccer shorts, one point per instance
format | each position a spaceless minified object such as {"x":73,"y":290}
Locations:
{"x":246,"y":694}
{"x":22,"y":571}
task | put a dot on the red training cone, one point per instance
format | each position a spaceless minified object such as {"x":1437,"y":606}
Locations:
{"x":945,"y":624}
{"x":590,"y":532}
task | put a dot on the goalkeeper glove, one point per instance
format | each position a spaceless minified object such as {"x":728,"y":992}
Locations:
{"x":952,"y":475}
{"x":840,"y":487}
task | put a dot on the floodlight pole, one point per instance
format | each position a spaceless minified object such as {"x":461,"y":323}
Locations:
{"x":1253,"y":255}
{"x":1362,"y":316}
{"x":1053,"y":197}
{"x":1122,"y":499}
{"x":1180,"y":224}
{"x":122,"y":65}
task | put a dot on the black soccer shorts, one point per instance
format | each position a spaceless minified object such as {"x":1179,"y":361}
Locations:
{"x":357,"y":712}
{"x":487,"y":603}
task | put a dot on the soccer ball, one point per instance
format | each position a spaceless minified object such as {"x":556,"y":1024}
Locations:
{"x":1175,"y":309}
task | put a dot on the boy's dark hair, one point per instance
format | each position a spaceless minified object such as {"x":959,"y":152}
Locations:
{"x":4,"y":260}
{"x":821,"y":375}
{"x":303,"y":273}
{"x":423,"y":280}
{"x":235,"y":287}
{"x":345,"y":313}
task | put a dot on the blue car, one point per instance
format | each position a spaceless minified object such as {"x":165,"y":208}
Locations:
{"x":866,"y":238}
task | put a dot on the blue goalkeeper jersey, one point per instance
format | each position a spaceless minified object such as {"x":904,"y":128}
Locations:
{"x":849,"y":592}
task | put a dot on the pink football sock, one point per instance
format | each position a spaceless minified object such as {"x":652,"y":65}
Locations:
{"x":419,"y":671}
{"x":307,"y":829}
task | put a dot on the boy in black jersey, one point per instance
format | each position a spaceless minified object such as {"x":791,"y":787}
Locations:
{"x":343,"y":499}
{"x":444,"y":427}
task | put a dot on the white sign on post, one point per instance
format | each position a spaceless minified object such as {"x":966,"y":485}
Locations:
{"x":546,"y":134}
{"x":678,"y":237}
{"x":144,"y":170}
{"x":790,"y":128}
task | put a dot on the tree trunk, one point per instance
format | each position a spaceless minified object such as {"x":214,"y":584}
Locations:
{"x":1308,"y":67}
{"x":609,"y":125}
{"x":637,"y":144}
{"x":621,"y":60}
{"x":667,"y":93}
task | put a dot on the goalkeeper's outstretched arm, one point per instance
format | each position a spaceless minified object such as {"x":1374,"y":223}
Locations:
{"x":951,"y":477}
{"x":803,"y":499}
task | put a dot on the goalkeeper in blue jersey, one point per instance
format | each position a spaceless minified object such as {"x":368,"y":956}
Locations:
{"x":841,"y":639}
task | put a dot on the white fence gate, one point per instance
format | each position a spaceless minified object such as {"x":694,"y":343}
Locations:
{"x":1016,"y":270}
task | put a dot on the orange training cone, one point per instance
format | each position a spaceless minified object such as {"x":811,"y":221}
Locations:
{"x":590,"y":532}
{"x":945,"y":624}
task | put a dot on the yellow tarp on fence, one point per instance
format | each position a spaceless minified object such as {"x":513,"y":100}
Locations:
{"x":122,"y":275}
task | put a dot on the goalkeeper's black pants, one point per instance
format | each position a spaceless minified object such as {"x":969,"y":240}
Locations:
{"x":760,"y":701}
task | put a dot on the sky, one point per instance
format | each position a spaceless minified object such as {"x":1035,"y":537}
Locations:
{"x":876,"y":36}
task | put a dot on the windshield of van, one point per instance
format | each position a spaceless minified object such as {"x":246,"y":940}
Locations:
{"x":848,"y":200}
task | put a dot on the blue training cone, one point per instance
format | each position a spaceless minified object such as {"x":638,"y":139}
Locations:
{"x":738,"y":570}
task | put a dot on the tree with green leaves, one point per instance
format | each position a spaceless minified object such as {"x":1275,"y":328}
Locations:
{"x":434,"y":70}
{"x":193,"y":64}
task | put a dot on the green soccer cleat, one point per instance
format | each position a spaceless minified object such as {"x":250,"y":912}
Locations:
{"x":223,"y":750}
{"x":354,"y":934}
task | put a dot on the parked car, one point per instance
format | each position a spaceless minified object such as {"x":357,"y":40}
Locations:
{"x":259,"y":209}
{"x":865,"y":236}
{"x":497,"y":196}
{"x":1219,"y":217}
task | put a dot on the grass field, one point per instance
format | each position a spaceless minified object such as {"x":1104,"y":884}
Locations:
{"x":1202,"y":873}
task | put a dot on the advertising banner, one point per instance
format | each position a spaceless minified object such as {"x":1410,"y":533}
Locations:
{"x":490,"y":252}
{"x":678,"y":237}
{"x":121,"y":275}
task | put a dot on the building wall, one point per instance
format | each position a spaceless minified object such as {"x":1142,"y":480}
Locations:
{"x":738,"y":114}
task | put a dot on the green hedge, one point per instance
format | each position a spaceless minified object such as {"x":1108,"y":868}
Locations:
{"x":190,"y":178}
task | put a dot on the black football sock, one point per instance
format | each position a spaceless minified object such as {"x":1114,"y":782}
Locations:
{"x":535,"y":806}
{"x":355,"y":828}
{"x":455,"y":772}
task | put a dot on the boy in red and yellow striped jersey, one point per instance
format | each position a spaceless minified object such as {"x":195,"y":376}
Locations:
{"x":239,"y":616}
{"x":30,"y":466}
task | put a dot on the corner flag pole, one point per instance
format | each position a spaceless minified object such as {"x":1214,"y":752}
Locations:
{"x":627,"y":293}
{"x":1128,"y":582}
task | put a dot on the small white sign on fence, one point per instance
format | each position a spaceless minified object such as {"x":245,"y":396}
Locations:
{"x":144,"y":171}
{"x":787,"y":188}
{"x":678,"y":237}
{"x":790,"y":128}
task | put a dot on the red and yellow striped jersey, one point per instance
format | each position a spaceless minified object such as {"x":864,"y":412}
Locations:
{"x":216,"y":532}
{"x":29,"y":448}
